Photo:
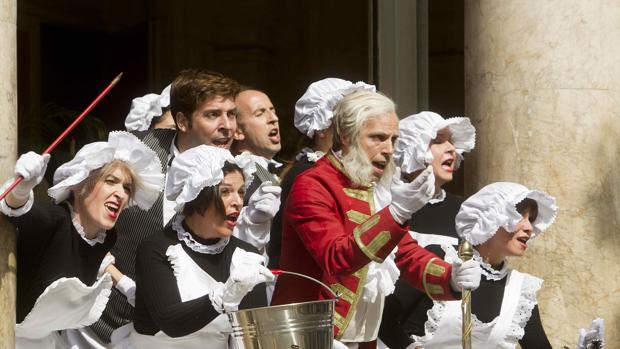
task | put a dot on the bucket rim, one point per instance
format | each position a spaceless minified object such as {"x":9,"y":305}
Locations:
{"x":282,"y":305}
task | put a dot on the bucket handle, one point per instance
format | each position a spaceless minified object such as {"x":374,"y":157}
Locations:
{"x":279,"y":271}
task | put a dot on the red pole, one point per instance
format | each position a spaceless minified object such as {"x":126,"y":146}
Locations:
{"x":64,"y":134}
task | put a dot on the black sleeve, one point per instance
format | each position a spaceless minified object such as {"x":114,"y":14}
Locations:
{"x":534,"y":336}
{"x":37,"y":226}
{"x":398,"y":306}
{"x":158,"y":288}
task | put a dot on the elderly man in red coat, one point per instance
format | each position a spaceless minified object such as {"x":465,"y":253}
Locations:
{"x":334,"y":231}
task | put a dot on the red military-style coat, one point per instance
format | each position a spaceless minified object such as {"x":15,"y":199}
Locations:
{"x":331,"y":232}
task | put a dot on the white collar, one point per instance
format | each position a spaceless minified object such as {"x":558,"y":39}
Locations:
{"x":441,"y":196}
{"x":311,"y":154}
{"x":263,"y":161}
{"x":196,"y":246}
{"x":488,"y":271}
{"x":99,"y":239}
{"x":174,"y":151}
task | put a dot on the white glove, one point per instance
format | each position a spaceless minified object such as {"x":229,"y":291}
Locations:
{"x":410,"y":197}
{"x":465,"y":275}
{"x":127,"y":286}
{"x":107,"y":260}
{"x":264,"y":203}
{"x":595,"y":333}
{"x":246,"y":271}
{"x":339,"y":345}
{"x":32,"y":167}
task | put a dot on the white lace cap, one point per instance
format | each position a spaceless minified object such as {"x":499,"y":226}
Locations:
{"x":122,"y":146}
{"x":315,"y":109}
{"x":146,"y":108}
{"x":494,"y":206}
{"x":412,"y":150}
{"x":198,"y":168}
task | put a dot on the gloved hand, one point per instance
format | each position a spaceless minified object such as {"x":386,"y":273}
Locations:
{"x":410,"y":197}
{"x":264,"y":203}
{"x":595,"y":333}
{"x":465,"y":275}
{"x":32,"y":167}
{"x":339,"y":345}
{"x":246,"y":271}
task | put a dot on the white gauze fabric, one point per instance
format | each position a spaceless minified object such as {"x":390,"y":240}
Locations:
{"x":494,"y":206}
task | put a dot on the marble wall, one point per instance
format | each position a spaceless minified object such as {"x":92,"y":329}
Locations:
{"x":542,"y":84}
{"x":8,"y":140}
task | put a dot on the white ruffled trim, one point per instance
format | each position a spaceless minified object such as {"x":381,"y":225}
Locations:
{"x":526,"y":303}
{"x":488,"y":271}
{"x":412,"y":151}
{"x":494,"y":206}
{"x":15,"y":212}
{"x":196,"y":246}
{"x":441,"y":196}
{"x":99,"y":305}
{"x":99,"y":239}
{"x":311,"y":155}
{"x":122,"y":146}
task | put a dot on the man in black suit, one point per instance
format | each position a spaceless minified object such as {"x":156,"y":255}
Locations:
{"x":203,"y":108}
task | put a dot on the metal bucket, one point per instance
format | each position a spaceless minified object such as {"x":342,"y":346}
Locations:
{"x":307,"y":325}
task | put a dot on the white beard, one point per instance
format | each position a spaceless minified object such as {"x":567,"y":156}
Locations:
{"x":360,"y":170}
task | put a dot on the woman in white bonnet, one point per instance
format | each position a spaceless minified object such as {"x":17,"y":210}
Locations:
{"x":61,"y":245}
{"x":426,"y":139}
{"x":501,"y":220}
{"x":150,"y":111}
{"x":313,"y":118}
{"x":195,"y":271}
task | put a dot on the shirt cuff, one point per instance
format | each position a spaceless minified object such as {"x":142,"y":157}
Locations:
{"x":15,"y":212}
{"x":127,"y":287}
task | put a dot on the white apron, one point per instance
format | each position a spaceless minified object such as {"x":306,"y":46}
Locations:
{"x":193,"y":282}
{"x":65,"y":304}
{"x":443,"y":327}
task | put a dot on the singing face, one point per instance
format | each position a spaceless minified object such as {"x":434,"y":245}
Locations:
{"x":214,"y":122}
{"x":231,"y":191}
{"x":258,"y":130}
{"x":377,"y":139}
{"x":444,"y":157}
{"x":100,"y":208}
{"x":513,"y":244}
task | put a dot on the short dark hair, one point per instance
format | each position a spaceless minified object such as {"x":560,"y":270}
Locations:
{"x":530,"y":206}
{"x":210,"y":195}
{"x":194,"y":86}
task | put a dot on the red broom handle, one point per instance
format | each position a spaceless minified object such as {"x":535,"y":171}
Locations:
{"x":64,"y":134}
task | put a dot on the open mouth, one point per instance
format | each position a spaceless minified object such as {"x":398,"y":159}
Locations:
{"x":113,"y":209}
{"x":448,"y":165}
{"x":274,"y":136}
{"x":231,"y":219}
{"x":221,"y":142}
{"x":379,"y":165}
{"x":523,"y":240}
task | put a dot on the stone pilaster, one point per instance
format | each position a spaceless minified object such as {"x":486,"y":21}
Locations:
{"x":542,"y":85}
{"x":8,"y":149}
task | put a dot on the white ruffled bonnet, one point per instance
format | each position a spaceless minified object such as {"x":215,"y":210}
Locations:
{"x":412,"y":152}
{"x":144,"y":109}
{"x":122,"y":146}
{"x":198,"y":168}
{"x":494,"y":206}
{"x":315,"y":109}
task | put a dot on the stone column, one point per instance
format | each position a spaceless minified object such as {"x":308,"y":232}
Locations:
{"x":8,"y":149}
{"x":542,"y":84}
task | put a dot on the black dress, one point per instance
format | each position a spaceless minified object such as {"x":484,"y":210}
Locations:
{"x":49,"y":248}
{"x":405,"y":312}
{"x":158,"y":302}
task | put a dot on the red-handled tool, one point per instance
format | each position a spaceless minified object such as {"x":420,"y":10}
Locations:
{"x":64,"y":134}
